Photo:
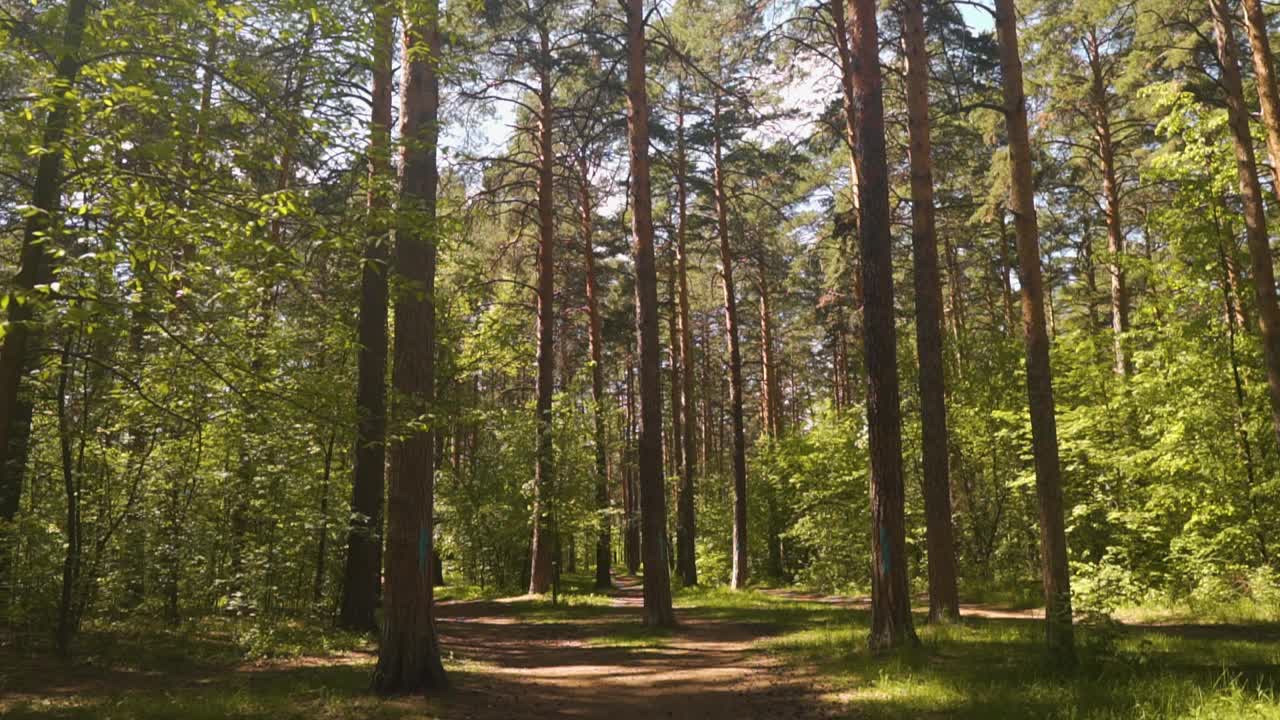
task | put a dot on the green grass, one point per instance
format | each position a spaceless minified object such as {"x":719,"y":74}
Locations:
{"x":980,"y":668}
{"x":630,"y":635}
{"x":989,"y":668}
{"x":1243,"y":611}
{"x":999,"y":669}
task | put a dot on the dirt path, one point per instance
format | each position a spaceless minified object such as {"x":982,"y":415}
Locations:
{"x":707,"y":669}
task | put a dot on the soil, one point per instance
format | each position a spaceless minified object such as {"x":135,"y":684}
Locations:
{"x":706,"y":669}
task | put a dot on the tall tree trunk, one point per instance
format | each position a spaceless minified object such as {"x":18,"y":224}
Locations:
{"x":653,"y":498}
{"x":677,"y":371}
{"x":1006,"y":270}
{"x":19,"y":354}
{"x":944,"y":600}
{"x":409,"y":654}
{"x":686,"y":554}
{"x":71,"y":484}
{"x":1255,"y":219}
{"x":771,"y":397}
{"x":544,"y":478}
{"x":630,"y":501}
{"x":1111,"y":199}
{"x":604,"y":551}
{"x":955,"y":296}
{"x":322,"y":532}
{"x":136,"y":529}
{"x":708,"y":444}
{"x":1264,"y":64}
{"x":890,"y":600}
{"x":841,"y":18}
{"x":1234,"y":278}
{"x":771,"y":409}
{"x":738,"y":578}
{"x":1044,"y":432}
{"x":362,"y":571}
{"x":1240,"y":421}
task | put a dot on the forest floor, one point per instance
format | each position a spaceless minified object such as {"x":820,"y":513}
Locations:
{"x":736,"y":655}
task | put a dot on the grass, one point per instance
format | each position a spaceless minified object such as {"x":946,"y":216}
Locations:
{"x":1236,"y":612}
{"x":998,"y":668}
{"x":216,"y":667}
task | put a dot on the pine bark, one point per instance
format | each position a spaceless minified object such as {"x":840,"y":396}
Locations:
{"x":1264,"y":63}
{"x":890,"y":600}
{"x":409,"y":653}
{"x":362,"y":572}
{"x":771,"y":397}
{"x":544,"y":477}
{"x":676,"y":374}
{"x":630,"y":494}
{"x":604,"y":549}
{"x":944,"y":600}
{"x":1044,"y":433}
{"x":739,"y":575}
{"x":1255,"y":219}
{"x":686,"y":555}
{"x":653,"y":498}
{"x":1111,"y":199}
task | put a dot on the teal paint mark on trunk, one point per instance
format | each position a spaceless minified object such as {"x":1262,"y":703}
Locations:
{"x":423,"y":542}
{"x":885,"y":552}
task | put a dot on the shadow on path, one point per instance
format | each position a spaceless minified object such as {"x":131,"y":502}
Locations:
{"x":605,"y":665}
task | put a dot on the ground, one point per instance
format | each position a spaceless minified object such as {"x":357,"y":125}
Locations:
{"x":760,"y":654}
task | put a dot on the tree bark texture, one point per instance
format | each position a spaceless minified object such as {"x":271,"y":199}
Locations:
{"x":1044,"y":432}
{"x":653,"y":497}
{"x":890,"y":600}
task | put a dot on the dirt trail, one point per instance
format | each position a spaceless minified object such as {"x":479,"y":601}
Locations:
{"x":707,"y":669}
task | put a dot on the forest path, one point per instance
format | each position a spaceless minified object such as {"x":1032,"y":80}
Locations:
{"x":603,"y":664}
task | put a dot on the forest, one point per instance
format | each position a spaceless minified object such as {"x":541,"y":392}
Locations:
{"x":639,"y":359}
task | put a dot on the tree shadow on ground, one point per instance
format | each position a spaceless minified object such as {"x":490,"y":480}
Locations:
{"x":999,"y":668}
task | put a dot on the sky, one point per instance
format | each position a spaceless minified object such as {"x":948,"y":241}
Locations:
{"x":807,"y":94}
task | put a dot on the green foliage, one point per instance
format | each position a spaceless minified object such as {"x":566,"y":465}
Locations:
{"x":820,"y":477}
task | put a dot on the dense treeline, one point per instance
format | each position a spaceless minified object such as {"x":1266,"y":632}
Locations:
{"x":904,"y":297}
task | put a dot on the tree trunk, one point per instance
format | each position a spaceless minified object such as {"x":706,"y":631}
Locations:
{"x":1044,"y":433}
{"x":771,"y":397}
{"x":1234,"y":278}
{"x":841,"y":17}
{"x":890,"y":599}
{"x":322,"y":532}
{"x":409,"y":654}
{"x":1006,"y":269}
{"x":1255,"y":219}
{"x":1111,"y":199}
{"x":653,"y":498}
{"x":677,"y":371}
{"x":72,"y":558}
{"x":604,"y":551}
{"x":19,"y":354}
{"x":771,"y":410}
{"x":630,"y":503}
{"x":544,"y":478}
{"x":1240,"y":421}
{"x":686,"y":549}
{"x":1264,"y":64}
{"x":955,"y":296}
{"x":738,"y":578}
{"x":362,"y":572}
{"x":944,"y":600}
